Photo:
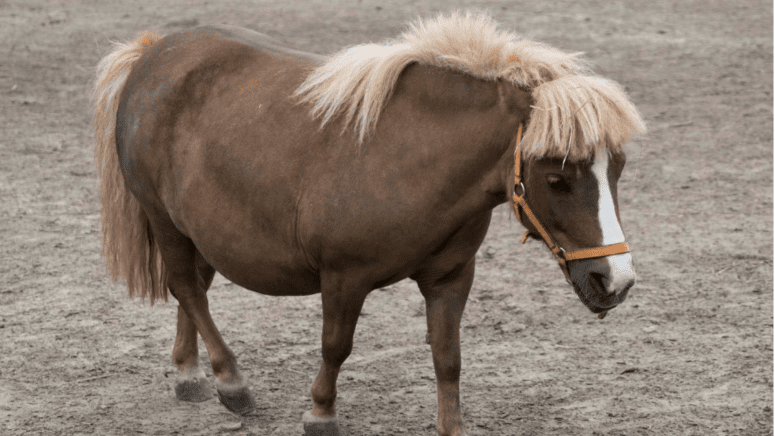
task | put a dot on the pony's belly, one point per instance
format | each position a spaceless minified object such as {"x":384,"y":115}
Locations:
{"x":259,"y":260}
{"x":272,"y":279}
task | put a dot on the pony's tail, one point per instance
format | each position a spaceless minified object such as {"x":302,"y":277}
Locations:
{"x":127,"y":241}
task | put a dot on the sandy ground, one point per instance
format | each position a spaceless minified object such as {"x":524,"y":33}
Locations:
{"x":689,"y":353}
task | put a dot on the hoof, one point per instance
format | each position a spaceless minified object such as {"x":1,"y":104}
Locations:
{"x":238,"y":400}
{"x":193,"y":387}
{"x":317,"y":426}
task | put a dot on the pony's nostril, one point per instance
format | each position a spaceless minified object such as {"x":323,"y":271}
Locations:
{"x":600,"y":279}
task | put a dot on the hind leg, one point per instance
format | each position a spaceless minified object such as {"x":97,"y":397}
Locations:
{"x":180,"y":258}
{"x":191,"y":384}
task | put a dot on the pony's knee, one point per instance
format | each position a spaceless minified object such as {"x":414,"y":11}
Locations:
{"x":447,"y":369}
{"x":336,"y":351}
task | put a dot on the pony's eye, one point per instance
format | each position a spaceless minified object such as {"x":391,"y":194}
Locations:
{"x":557,"y":183}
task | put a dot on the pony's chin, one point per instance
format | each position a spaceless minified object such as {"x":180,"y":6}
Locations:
{"x":596,"y":299}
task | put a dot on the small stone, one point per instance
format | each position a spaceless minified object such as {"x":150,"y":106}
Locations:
{"x":231,"y":426}
{"x":512,"y":327}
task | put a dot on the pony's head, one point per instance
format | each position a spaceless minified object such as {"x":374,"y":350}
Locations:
{"x":572,"y":161}
{"x":576,"y":204}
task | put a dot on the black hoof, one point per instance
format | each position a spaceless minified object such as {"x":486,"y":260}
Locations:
{"x":193,"y":389}
{"x":317,"y":426}
{"x":239,"y":401}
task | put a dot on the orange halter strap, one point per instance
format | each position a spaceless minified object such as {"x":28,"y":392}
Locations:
{"x":559,"y":253}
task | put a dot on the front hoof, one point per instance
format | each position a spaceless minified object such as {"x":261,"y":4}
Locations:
{"x":317,"y":426}
{"x":238,"y":400}
{"x":193,"y":387}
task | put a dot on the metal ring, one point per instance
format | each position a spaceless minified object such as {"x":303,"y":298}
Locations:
{"x":524,"y":191}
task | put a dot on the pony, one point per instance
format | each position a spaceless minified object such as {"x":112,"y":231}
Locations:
{"x":222,"y":149}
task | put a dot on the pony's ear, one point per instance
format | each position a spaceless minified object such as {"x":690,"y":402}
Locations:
{"x":513,"y":100}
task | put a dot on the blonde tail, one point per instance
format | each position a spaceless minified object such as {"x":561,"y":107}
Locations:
{"x":127,"y":242}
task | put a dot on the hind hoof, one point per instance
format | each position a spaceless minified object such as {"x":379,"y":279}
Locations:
{"x":193,"y":387}
{"x":239,"y":400}
{"x":195,"y":391}
{"x":317,"y":426}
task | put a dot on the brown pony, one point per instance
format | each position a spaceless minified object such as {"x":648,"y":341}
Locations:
{"x":221,"y":149}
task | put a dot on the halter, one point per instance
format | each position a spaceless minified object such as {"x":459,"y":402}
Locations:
{"x":559,"y":253}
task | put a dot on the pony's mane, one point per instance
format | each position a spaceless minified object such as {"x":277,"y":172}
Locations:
{"x":574,"y":111}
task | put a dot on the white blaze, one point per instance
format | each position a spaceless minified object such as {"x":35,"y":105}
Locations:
{"x":620,"y":264}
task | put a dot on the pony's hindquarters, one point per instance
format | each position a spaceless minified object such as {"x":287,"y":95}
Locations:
{"x":127,"y":242}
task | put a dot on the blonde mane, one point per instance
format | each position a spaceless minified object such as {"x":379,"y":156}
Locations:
{"x":574,"y":111}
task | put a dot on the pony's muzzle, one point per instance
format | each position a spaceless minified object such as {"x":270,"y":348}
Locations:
{"x":620,"y":276}
{"x":602,"y":283}
{"x":614,"y":288}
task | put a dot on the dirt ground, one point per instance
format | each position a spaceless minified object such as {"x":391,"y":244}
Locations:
{"x":689,"y":353}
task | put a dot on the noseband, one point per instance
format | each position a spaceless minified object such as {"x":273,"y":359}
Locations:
{"x":559,"y":253}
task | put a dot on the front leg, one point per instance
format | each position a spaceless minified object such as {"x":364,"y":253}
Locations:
{"x":342,"y":305}
{"x":445,"y":300}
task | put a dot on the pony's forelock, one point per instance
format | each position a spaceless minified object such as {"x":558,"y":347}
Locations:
{"x":573,"y":107}
{"x":576,"y":115}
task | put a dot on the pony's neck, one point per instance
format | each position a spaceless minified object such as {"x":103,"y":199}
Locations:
{"x":460,"y":129}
